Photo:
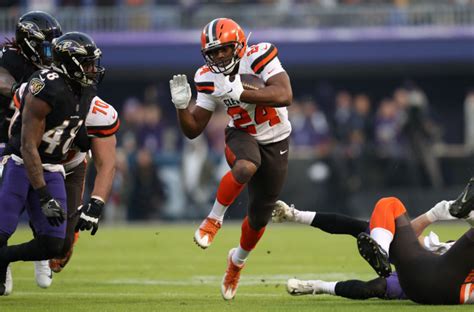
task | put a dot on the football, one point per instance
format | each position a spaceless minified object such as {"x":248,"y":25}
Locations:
{"x":252,"y":82}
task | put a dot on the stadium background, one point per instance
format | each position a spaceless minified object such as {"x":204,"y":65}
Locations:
{"x":383,"y":98}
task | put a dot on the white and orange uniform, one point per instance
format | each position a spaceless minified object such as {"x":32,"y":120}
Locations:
{"x":101,"y":121}
{"x":265,"y":123}
{"x":466,"y":294}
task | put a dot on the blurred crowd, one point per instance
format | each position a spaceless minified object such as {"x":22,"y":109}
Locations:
{"x":154,"y":15}
{"x":365,"y":144}
{"x":322,"y":3}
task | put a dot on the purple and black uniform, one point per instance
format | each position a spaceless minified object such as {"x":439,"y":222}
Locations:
{"x":21,"y":69}
{"x":70,"y":104}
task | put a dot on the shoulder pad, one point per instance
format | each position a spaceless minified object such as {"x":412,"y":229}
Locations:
{"x":204,"y":80}
{"x":45,"y":84}
{"x":12,"y":61}
{"x":102,"y":119}
{"x":9,"y":51}
{"x":260,"y":55}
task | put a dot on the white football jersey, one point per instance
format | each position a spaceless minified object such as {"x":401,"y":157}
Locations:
{"x":101,"y":121}
{"x":267,"y":124}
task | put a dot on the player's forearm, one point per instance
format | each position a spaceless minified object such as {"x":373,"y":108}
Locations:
{"x":189,"y":126}
{"x":103,"y":180}
{"x":6,"y":83}
{"x":269,"y":96}
{"x":103,"y":154}
{"x":33,"y":165}
{"x":420,"y":224}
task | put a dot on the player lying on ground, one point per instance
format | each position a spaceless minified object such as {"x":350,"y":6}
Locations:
{"x":380,"y":287}
{"x":425,"y":277}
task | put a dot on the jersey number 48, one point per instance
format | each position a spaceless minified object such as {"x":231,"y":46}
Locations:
{"x":59,"y":138}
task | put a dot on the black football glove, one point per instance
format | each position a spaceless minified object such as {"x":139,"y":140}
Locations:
{"x":90,"y":215}
{"x":50,"y":207}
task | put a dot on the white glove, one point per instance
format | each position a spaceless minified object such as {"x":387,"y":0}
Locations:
{"x":180,"y":91}
{"x":433,"y":244}
{"x":230,"y":89}
{"x":440,"y":212}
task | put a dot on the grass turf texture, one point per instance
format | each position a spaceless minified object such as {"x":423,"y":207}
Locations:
{"x":159,"y":268}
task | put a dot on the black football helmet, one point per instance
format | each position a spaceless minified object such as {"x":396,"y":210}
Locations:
{"x":76,"y":55}
{"x":34,"y":33}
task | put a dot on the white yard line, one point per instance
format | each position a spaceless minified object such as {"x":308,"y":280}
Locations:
{"x":112,"y":294}
{"x":209,"y":280}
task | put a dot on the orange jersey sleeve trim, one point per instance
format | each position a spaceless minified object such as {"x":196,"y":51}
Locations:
{"x":104,"y":132}
{"x":205,"y":87}
{"x":16,"y":101}
{"x":259,"y":64}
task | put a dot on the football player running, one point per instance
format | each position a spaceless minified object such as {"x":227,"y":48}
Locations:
{"x":53,"y":110}
{"x":256,"y":136}
{"x":98,"y":136}
{"x":19,"y":59}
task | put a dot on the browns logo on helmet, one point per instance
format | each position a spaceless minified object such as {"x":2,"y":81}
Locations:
{"x":220,"y":33}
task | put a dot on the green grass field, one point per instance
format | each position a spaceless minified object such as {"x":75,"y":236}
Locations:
{"x":159,"y":268}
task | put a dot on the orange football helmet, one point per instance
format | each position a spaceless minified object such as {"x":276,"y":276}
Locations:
{"x":219,"y":33}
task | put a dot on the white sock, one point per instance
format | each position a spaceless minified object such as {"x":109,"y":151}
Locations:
{"x":304,"y":217}
{"x":218,"y":211}
{"x":240,"y":256}
{"x":383,"y":237}
{"x":328,"y":287}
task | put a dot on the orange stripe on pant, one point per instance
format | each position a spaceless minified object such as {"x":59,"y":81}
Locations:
{"x":386,"y":211}
{"x":465,"y":295}
{"x":229,"y":189}
{"x":249,"y":237}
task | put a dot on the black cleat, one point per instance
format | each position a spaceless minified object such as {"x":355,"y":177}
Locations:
{"x":374,"y":254}
{"x":464,"y":204}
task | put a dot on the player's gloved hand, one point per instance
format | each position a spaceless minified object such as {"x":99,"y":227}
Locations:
{"x":440,"y":211}
{"x":229,"y":87}
{"x":180,"y":91}
{"x":50,"y":207}
{"x":90,"y":215}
